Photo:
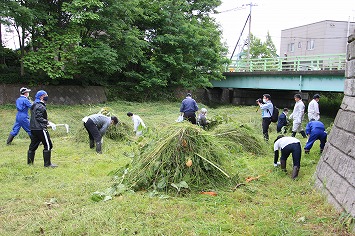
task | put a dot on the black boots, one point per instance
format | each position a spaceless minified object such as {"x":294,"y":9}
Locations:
{"x":283,"y":165}
{"x":295,"y":171}
{"x":293,"y":134}
{"x":47,"y":159}
{"x":98,"y":147}
{"x":92,"y":143}
{"x":9,"y":139}
{"x":303,"y":134}
{"x":30,"y":157}
{"x":266,"y":136}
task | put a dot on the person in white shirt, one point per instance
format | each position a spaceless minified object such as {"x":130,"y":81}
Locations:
{"x":288,"y":145}
{"x":297,"y":116}
{"x":138,"y":124}
{"x":313,"y":108}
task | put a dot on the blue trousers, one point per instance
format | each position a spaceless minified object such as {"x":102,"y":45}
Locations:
{"x":21,"y":121}
{"x":316,"y":134}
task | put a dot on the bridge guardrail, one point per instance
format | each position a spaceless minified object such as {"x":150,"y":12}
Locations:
{"x":297,"y":63}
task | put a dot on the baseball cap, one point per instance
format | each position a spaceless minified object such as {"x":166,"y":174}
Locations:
{"x":24,"y":90}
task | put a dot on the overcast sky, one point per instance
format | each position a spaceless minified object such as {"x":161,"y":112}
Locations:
{"x":277,"y":15}
{"x":267,"y":15}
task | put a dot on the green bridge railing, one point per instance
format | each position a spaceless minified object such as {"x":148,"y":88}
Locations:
{"x":297,"y":63}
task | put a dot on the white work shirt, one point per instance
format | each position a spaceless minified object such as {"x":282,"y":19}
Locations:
{"x":283,"y":142}
{"x":136,"y":122}
{"x":298,"y":112}
{"x":313,"y":110}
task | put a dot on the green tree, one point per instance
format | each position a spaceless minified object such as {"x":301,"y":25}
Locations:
{"x":259,"y":49}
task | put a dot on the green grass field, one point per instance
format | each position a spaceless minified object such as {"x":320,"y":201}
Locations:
{"x":40,"y":201}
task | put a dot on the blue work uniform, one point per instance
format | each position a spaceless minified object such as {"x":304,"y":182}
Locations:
{"x":22,"y":117}
{"x":316,"y":131}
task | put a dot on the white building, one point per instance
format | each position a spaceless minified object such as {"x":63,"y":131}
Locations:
{"x":320,"y":38}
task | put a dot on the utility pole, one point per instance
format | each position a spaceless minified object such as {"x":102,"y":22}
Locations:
{"x":250,"y":6}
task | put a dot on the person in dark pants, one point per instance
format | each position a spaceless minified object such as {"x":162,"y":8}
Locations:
{"x":266,"y":112}
{"x":38,"y":124}
{"x":315,"y":131}
{"x":282,"y":121}
{"x":288,"y":145}
{"x":22,"y":118}
{"x":96,"y":126}
{"x":188,"y":109}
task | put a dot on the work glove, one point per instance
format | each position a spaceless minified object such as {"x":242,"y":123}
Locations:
{"x":51,"y":124}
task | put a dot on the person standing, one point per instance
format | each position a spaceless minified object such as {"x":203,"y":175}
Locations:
{"x":96,"y":126}
{"x":22,"y":118}
{"x":282,"y":121}
{"x":288,"y":145}
{"x":315,"y":131}
{"x":313,"y":108}
{"x":266,"y":107}
{"x":138,"y":124}
{"x":297,"y":116}
{"x":189,"y":108}
{"x":38,"y":125}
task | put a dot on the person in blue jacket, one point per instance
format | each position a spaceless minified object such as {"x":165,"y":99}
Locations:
{"x":282,"y":121}
{"x":315,"y":131}
{"x":22,"y":117}
{"x":188,"y":109}
{"x":267,"y":109}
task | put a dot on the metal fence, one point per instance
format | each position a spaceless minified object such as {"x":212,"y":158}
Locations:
{"x":297,"y":63}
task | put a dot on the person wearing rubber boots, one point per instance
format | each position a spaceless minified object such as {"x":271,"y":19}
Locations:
{"x":22,"y":118}
{"x":96,"y":126}
{"x":288,"y":145}
{"x":38,"y":124}
{"x":315,"y":131}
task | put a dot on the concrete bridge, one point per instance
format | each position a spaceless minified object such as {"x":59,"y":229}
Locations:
{"x":248,"y":80}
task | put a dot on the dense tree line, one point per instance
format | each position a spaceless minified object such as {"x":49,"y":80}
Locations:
{"x":140,"y":45}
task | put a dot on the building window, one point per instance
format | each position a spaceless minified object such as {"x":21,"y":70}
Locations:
{"x":291,"y":47}
{"x":310,"y":44}
{"x":299,"y":45}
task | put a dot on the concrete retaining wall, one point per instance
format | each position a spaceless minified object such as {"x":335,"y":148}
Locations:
{"x":61,"y":95}
{"x":335,"y":174}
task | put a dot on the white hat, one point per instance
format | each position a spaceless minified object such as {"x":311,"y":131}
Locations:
{"x":24,"y":90}
{"x":203,"y":110}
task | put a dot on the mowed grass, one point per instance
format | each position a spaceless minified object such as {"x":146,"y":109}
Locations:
{"x":35,"y":200}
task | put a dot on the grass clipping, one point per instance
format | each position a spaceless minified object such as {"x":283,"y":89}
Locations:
{"x":184,"y":157}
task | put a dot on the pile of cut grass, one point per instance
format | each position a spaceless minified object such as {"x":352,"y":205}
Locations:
{"x":240,"y":137}
{"x":185,"y":156}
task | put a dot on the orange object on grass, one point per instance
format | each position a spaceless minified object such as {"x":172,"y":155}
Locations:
{"x":211,"y":193}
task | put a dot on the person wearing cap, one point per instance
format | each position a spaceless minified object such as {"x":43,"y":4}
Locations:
{"x":138,"y":124}
{"x":297,"y":116}
{"x":22,"y":118}
{"x":313,"y":108}
{"x":188,"y":109}
{"x":96,"y":126}
{"x":38,"y":124}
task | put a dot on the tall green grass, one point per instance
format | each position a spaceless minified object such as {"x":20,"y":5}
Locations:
{"x":35,"y":200}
